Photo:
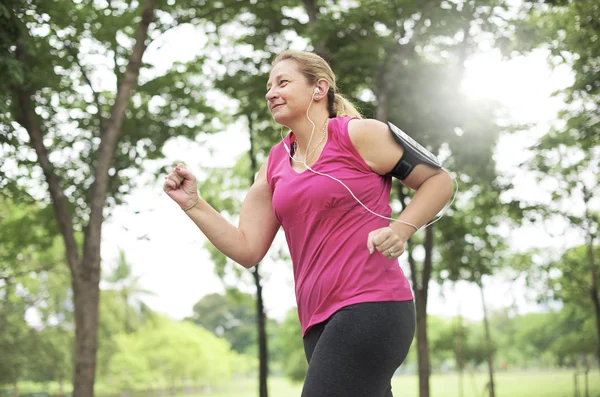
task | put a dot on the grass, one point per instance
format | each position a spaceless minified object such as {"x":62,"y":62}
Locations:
{"x":522,"y":384}
{"x":508,"y":384}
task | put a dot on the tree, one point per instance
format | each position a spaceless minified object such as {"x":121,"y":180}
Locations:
{"x":26,"y":228}
{"x":171,"y":352}
{"x":54,"y":356}
{"x":52,"y":300}
{"x":37,"y":81}
{"x":291,"y":347}
{"x":474,"y":349}
{"x":90,"y":126}
{"x":568,"y":152}
{"x":231,"y":316}
{"x":481,"y":250}
{"x":560,"y":281}
{"x":572,"y":287}
{"x":18,"y":341}
{"x":32,"y":278}
{"x":118,"y":317}
{"x":126,"y":285}
{"x":576,"y":181}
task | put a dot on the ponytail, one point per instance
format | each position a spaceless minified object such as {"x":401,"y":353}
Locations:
{"x":342,"y":107}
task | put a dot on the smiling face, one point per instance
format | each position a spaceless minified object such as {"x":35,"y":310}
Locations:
{"x":288,"y":92}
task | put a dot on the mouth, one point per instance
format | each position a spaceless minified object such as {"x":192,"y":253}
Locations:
{"x":276,"y":106}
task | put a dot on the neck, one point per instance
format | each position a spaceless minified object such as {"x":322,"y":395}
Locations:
{"x":303,"y":129}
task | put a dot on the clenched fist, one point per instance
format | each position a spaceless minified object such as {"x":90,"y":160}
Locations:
{"x":182,"y":187}
{"x":386,"y":241}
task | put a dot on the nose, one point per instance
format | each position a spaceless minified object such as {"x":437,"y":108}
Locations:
{"x":270,"y":95}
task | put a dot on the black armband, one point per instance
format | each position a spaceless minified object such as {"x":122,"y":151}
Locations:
{"x":413,"y":155}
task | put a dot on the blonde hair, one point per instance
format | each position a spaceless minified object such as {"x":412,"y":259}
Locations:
{"x":314,"y":68}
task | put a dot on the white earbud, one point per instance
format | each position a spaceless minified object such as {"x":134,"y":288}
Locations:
{"x":317,"y":92}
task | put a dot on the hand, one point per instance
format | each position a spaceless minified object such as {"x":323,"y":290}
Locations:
{"x":181,"y":186}
{"x":386,"y":241}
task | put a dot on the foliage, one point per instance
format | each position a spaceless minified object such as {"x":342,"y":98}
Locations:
{"x":567,"y":154}
{"x":400,"y":59}
{"x":289,"y":344}
{"x":126,"y":286}
{"x":172,"y":351}
{"x":19,"y":251}
{"x":34,"y":283}
{"x":231,"y":316}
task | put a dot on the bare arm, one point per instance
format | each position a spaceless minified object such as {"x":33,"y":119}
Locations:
{"x":248,"y":243}
{"x":380,"y":151}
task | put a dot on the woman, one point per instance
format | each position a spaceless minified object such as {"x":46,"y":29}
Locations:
{"x":328,"y":185}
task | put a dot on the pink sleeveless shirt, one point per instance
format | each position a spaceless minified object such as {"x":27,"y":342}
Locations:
{"x":326,"y":228}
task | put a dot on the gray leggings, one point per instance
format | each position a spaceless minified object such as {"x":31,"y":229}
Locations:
{"x":357,"y":350}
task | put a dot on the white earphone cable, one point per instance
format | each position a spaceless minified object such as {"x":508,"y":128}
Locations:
{"x":350,"y":191}
{"x":383,"y":216}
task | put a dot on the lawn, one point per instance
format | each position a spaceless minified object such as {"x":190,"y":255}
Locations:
{"x":508,"y":384}
{"x":522,"y":384}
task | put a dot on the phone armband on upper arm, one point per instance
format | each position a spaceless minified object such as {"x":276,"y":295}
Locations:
{"x":414,"y":154}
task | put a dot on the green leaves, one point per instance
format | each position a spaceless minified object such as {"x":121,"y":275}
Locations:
{"x":27,"y":233}
{"x":231,"y":316}
{"x":72,"y":56}
{"x":32,"y":279}
{"x":570,"y":30}
{"x":170,"y":352}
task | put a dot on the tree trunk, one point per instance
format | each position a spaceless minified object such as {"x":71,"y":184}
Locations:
{"x":311,"y":9}
{"x":488,"y":340}
{"x":389,"y":68}
{"x":421,"y":288}
{"x":262,"y":335}
{"x":263,"y":356}
{"x":421,"y":300}
{"x":594,"y":290}
{"x":422,"y":342}
{"x":86,"y":294}
{"x":313,"y":14}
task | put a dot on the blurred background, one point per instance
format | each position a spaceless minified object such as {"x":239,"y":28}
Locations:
{"x":108,"y":289}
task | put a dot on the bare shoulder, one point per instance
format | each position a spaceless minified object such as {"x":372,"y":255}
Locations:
{"x":261,"y":176}
{"x":375,"y":144}
{"x":362,"y":130}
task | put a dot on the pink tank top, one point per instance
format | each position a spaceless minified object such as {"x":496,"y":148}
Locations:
{"x":326,"y":228}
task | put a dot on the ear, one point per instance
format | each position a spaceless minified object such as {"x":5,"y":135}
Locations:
{"x":322,"y":87}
